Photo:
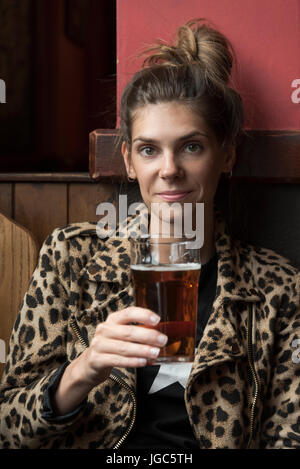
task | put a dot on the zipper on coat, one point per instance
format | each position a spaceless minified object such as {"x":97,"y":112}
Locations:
{"x":118,"y":380}
{"x":114,"y":378}
{"x":253,"y":372}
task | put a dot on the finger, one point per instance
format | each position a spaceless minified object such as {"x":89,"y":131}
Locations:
{"x":112,"y":361}
{"x":125,"y":349}
{"x":132,"y":333}
{"x":134,"y":314}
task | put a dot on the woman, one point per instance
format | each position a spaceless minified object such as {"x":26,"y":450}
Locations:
{"x":76,"y":374}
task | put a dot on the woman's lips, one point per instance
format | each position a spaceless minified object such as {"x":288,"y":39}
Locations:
{"x":171,"y":196}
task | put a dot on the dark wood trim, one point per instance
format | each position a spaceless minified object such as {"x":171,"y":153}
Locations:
{"x":269,"y":156}
{"x":45,"y":89}
{"x":45,"y":177}
{"x":262,"y":156}
{"x":101,"y":64}
{"x":105,"y":159}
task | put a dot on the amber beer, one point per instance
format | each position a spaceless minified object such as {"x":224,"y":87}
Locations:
{"x":170,"y":290}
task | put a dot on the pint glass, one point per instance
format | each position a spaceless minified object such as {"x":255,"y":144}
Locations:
{"x":165,"y":278}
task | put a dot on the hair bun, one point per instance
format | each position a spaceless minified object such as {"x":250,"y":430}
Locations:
{"x":196,"y":43}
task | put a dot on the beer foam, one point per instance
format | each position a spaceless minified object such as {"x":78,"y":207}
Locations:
{"x":166,"y":267}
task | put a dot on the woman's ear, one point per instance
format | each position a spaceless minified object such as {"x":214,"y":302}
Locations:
{"x":230,"y":158}
{"x":127,"y":160}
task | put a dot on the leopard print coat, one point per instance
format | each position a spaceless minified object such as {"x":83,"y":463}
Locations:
{"x":244,"y":387}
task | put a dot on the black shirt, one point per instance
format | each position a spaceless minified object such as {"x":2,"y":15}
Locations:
{"x":162,"y":420}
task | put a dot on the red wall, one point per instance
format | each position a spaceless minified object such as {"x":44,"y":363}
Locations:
{"x":264,"y":33}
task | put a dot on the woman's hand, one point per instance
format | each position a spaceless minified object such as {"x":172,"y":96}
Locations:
{"x":119,"y":343}
{"x":116,"y":343}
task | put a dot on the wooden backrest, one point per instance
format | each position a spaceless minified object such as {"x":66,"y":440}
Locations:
{"x":18,"y":257}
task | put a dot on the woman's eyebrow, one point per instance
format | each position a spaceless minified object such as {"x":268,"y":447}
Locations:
{"x":183,"y":137}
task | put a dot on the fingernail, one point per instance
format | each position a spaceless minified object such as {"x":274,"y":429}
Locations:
{"x":143,"y":361}
{"x":154,"y":351}
{"x":162,"y":339}
{"x":154,"y":318}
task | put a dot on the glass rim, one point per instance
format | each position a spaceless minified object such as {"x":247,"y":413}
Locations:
{"x":158,"y":240}
{"x":177,"y":266}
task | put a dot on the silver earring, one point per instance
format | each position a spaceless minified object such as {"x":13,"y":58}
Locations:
{"x":230,"y":174}
{"x":130,"y":179}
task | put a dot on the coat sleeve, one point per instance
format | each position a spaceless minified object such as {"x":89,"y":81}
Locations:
{"x":281,"y":416}
{"x":37,"y":350}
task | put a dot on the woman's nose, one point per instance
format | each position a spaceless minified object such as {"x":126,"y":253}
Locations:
{"x":170,"y":167}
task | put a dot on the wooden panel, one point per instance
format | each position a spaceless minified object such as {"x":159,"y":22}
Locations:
{"x":100,"y":65}
{"x":6,"y":199}
{"x":16,"y":58}
{"x":84,"y":198}
{"x":262,"y":156}
{"x":105,"y":159}
{"x":45,"y":177}
{"x":264,"y":215}
{"x":41,"y":207}
{"x":269,"y":156}
{"x":60,"y":131}
{"x":18,"y":257}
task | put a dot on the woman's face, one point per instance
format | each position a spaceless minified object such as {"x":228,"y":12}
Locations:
{"x":174,"y":156}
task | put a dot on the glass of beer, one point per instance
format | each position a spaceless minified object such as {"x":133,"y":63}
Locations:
{"x":165,"y":278}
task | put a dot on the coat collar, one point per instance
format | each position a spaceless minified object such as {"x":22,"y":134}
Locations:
{"x":111,"y":262}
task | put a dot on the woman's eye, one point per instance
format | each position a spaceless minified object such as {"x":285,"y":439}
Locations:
{"x":147,"y":151}
{"x":193,"y":147}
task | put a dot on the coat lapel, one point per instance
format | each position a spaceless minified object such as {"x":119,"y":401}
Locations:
{"x":111,"y":262}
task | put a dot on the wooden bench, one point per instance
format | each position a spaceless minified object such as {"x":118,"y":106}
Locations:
{"x":18,"y":254}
